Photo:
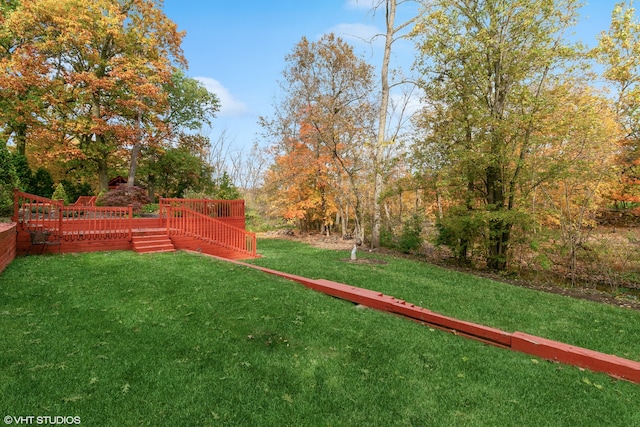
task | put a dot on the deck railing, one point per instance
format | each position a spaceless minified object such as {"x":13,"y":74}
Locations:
{"x":31,"y":212}
{"x":97,"y":222}
{"x":208,"y":207}
{"x":70,"y":223}
{"x":184,"y":221}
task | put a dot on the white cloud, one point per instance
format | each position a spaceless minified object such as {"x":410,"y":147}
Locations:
{"x":357,"y":32}
{"x":411,"y":103}
{"x":231,"y":106}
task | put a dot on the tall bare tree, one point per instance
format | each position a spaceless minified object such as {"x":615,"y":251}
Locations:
{"x":392,"y":34}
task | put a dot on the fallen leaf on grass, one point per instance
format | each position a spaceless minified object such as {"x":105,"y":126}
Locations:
{"x":287,"y":398}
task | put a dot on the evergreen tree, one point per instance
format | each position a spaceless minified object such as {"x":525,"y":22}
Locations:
{"x":8,"y":181}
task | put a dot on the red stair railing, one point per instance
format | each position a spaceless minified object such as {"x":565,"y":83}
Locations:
{"x":186,"y":222}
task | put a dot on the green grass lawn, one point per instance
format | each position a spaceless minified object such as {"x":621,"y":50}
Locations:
{"x":583,"y":323}
{"x":119,"y":339}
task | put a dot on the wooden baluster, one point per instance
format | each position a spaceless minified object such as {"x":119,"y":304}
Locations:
{"x":16,"y":205}
{"x":130,"y":222}
{"x":168,"y":223}
{"x":60,"y":215}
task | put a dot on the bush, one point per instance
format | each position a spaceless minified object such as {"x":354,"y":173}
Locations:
{"x":459,"y":230}
{"x":387,"y":238}
{"x":411,"y":237}
{"x":42,"y":183}
{"x":8,"y":181}
{"x":124,"y":195}
{"x":225,"y":189}
{"x":60,"y":194}
{"x":150,"y":208}
{"x":24,"y":172}
{"x":76,"y":189}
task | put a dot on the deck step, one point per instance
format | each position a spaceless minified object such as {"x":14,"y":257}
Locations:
{"x":152,"y":243}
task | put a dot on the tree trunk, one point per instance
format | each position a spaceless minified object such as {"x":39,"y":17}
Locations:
{"x":151,"y":188}
{"x":499,"y":228}
{"x":135,"y":152}
{"x":376,"y":220}
{"x":103,"y":175}
{"x":382,"y":123}
{"x":20,"y":139}
{"x":465,"y":238}
{"x":499,"y":234}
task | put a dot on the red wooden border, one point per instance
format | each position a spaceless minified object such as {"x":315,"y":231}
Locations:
{"x":7,"y":244}
{"x":577,"y":356}
{"x":614,"y":366}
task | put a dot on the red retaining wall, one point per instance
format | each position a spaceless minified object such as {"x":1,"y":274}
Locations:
{"x":615,"y":366}
{"x":7,"y":244}
{"x":577,"y":356}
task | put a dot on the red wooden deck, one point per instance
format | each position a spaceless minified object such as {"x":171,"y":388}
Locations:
{"x":215,"y":227}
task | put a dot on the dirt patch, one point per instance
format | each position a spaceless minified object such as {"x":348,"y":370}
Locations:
{"x":321,"y":241}
{"x":365,"y":261}
{"x":588,"y":294}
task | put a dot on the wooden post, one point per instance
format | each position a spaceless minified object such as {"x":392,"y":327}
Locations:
{"x":130,"y":222}
{"x":243,"y":215}
{"x":60,"y":215}
{"x":16,"y":205}
{"x":168,"y":218}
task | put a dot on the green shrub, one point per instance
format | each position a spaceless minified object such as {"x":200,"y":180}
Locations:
{"x":387,"y":238}
{"x":76,"y":189}
{"x":8,"y":181}
{"x":411,"y":238}
{"x":24,"y":172}
{"x":42,"y":183}
{"x":150,"y":208}
{"x":60,"y":194}
{"x":459,"y":230}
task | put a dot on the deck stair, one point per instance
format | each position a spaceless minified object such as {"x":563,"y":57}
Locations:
{"x":152,"y":243}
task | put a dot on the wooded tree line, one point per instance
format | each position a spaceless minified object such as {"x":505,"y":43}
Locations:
{"x":93,"y":90}
{"x":516,"y":131}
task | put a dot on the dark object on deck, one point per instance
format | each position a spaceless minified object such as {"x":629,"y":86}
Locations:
{"x":41,"y":238}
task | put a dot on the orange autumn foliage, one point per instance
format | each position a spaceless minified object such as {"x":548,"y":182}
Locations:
{"x":85,"y":72}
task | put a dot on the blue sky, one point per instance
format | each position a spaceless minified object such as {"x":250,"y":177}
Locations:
{"x":237,"y":47}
